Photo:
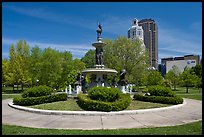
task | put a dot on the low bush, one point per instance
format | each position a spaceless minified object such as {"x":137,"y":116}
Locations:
{"x":86,"y":103}
{"x":159,"y":99}
{"x":158,"y":90}
{"x":37,"y":91}
{"x":39,"y":100}
{"x":104,"y":94}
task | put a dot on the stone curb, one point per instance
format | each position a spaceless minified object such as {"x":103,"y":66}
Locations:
{"x":93,"y":113}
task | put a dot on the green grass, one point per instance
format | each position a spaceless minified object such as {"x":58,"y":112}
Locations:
{"x":194,"y":128}
{"x":193,"y":93}
{"x":71,"y":105}
{"x":187,"y":129}
{"x":10,"y":96}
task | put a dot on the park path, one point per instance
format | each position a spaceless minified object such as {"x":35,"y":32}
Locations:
{"x":191,"y":111}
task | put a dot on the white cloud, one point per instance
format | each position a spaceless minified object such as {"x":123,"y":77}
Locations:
{"x":78,"y":50}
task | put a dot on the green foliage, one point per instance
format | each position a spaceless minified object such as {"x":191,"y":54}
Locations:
{"x":158,"y":90}
{"x":37,"y":91}
{"x":197,"y":70}
{"x":154,"y":78}
{"x":143,"y":89}
{"x":188,"y":78}
{"x":89,"y":58}
{"x":39,"y":100}
{"x":104,"y":94}
{"x":17,"y":69}
{"x":123,"y":53}
{"x":173,"y":76}
{"x":159,"y":99}
{"x":95,"y":105}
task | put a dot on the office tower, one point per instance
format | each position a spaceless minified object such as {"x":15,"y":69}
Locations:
{"x":150,"y":31}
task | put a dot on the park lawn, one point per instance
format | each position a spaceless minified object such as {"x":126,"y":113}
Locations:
{"x":194,"y":128}
{"x":6,"y":96}
{"x":71,"y":105}
{"x":193,"y":93}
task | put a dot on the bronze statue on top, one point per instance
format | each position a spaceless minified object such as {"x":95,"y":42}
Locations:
{"x":99,"y":30}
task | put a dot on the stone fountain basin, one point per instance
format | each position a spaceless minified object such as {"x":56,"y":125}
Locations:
{"x":99,"y":70}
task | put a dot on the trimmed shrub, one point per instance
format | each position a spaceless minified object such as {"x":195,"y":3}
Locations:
{"x":159,"y":99}
{"x":86,"y":103}
{"x":39,"y":100}
{"x":160,"y":91}
{"x":104,"y":94}
{"x":37,"y":91}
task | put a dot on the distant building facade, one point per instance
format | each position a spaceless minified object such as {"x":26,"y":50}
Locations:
{"x":135,"y":31}
{"x":180,"y":62}
{"x":150,"y":31}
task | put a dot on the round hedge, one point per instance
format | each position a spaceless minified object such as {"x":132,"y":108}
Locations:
{"x":37,"y":91}
{"x":88,"y":104}
{"x":158,"y":90}
{"x":104,"y":94}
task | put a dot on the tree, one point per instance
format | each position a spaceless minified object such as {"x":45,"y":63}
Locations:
{"x":173,"y":76}
{"x":34,"y":64}
{"x":123,"y":53}
{"x":187,"y":78}
{"x":154,"y":78}
{"x":18,"y":64}
{"x":5,"y":63}
{"x":89,"y":58}
{"x":50,"y":68}
{"x":197,"y":70}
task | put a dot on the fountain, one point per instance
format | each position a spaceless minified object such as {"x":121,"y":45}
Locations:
{"x":99,"y":73}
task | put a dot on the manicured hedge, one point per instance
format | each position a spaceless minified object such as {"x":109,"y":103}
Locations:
{"x":39,"y":100}
{"x":104,"y":94}
{"x":37,"y":91}
{"x":159,"y":99}
{"x":158,"y":90}
{"x":87,"y":103}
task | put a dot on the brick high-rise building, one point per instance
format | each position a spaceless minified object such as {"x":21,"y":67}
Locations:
{"x":150,"y":31}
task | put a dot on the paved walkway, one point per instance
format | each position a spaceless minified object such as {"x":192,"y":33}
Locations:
{"x":191,"y":111}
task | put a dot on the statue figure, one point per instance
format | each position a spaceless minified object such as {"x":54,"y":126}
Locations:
{"x":114,"y":83}
{"x":78,"y":79}
{"x":101,"y":58}
{"x":97,"y":56}
{"x":99,"y":30}
{"x":122,"y":80}
{"x":83,"y":80}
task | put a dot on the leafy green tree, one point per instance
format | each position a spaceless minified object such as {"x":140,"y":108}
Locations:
{"x":50,"y":68}
{"x":89,"y":58}
{"x":154,"y":78}
{"x":123,"y":53}
{"x":18,"y":64}
{"x":197,"y":70}
{"x":78,"y":65}
{"x":188,"y":78}
{"x":34,"y":64}
{"x":5,"y":63}
{"x":173,"y":76}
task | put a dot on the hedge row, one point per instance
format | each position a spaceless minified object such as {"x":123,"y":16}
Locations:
{"x":39,"y":100}
{"x":158,"y":90}
{"x":95,"y":105}
{"x":159,"y":99}
{"x":104,"y":94}
{"x":37,"y":91}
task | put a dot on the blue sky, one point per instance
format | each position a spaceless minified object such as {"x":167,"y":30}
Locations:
{"x":72,"y":26}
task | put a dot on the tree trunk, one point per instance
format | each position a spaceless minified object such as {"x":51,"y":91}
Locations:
{"x":186,"y":89}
